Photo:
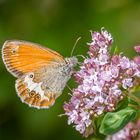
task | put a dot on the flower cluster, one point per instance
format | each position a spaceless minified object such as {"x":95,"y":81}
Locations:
{"x":129,"y":132}
{"x":102,"y":78}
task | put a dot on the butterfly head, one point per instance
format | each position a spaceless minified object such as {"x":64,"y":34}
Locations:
{"x":71,"y":61}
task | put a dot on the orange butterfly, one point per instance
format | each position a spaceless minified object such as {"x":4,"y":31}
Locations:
{"x":42,"y":73}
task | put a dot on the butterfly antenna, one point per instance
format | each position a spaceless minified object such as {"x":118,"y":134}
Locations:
{"x":75,"y":45}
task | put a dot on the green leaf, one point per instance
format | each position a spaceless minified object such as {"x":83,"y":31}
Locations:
{"x":132,"y":102}
{"x":98,"y":120}
{"x":122,"y":104}
{"x":115,"y":121}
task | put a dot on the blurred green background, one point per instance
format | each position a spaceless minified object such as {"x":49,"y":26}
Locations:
{"x":57,"y":24}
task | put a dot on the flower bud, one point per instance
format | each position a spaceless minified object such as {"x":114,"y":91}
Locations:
{"x":137,"y":48}
{"x":137,"y":60}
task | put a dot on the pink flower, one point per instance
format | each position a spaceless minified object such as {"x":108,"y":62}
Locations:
{"x":126,"y":83}
{"x":137,"y":48}
{"x":115,"y":59}
{"x":124,"y":62}
{"x":137,"y":60}
{"x":114,"y":71}
{"x":100,"y":82}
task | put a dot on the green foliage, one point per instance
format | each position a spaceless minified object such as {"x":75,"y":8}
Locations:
{"x":96,"y":124}
{"x":122,"y":104}
{"x":115,"y":121}
{"x":132,"y":102}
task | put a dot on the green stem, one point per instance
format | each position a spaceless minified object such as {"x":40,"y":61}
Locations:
{"x":133,"y":97}
{"x":134,"y":106}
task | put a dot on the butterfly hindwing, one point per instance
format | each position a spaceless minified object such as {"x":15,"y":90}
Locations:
{"x":32,"y":93}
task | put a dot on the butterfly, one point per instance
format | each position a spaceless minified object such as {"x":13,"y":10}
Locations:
{"x":41,"y":72}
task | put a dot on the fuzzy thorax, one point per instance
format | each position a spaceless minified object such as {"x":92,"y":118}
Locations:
{"x":71,"y":61}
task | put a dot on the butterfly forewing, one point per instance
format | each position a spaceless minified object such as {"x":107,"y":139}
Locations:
{"x":21,"y":57}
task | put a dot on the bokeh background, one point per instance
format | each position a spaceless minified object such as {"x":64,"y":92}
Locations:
{"x":57,"y":24}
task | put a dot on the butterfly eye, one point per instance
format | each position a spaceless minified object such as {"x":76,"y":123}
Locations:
{"x":38,"y":97}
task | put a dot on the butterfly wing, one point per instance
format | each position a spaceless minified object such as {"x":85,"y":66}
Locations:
{"x":40,"y":88}
{"x":22,"y":57}
{"x":32,"y":94}
{"x":37,"y":69}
